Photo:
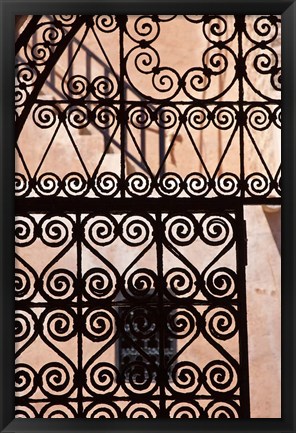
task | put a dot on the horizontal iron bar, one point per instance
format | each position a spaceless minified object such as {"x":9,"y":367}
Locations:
{"x":102,"y":303}
{"x":59,"y":205}
{"x":100,"y":399}
{"x":157,"y":102}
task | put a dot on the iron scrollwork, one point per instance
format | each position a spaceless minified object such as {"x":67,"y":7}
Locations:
{"x":132,"y":323}
{"x":103,"y":307}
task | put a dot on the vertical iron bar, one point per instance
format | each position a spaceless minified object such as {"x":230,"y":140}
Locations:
{"x":241,"y":238}
{"x":88,"y":70}
{"x":106,"y":133}
{"x":161,"y":147}
{"x":80,"y":379}
{"x":122,"y":21}
{"x":241,"y":257}
{"x":160,"y":313}
{"x":240,"y":23}
{"x":143,"y":141}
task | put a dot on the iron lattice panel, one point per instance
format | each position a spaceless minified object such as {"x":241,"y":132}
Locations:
{"x":143,"y":258}
{"x":162,"y":290}
{"x":108,"y":94}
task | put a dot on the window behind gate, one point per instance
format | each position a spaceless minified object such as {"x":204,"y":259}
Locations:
{"x":140,"y":140}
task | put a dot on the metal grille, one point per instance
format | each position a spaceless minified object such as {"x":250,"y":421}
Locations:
{"x":148,"y":342}
{"x":130,"y":270}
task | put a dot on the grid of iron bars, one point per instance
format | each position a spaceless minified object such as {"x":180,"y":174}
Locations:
{"x":152,"y":335}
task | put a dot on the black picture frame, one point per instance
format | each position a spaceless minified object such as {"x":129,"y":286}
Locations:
{"x":9,"y":9}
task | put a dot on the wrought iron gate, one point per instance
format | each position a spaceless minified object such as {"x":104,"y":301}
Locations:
{"x":125,"y":249}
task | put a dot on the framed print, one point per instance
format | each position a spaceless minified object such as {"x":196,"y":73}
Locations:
{"x":146,"y":143}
